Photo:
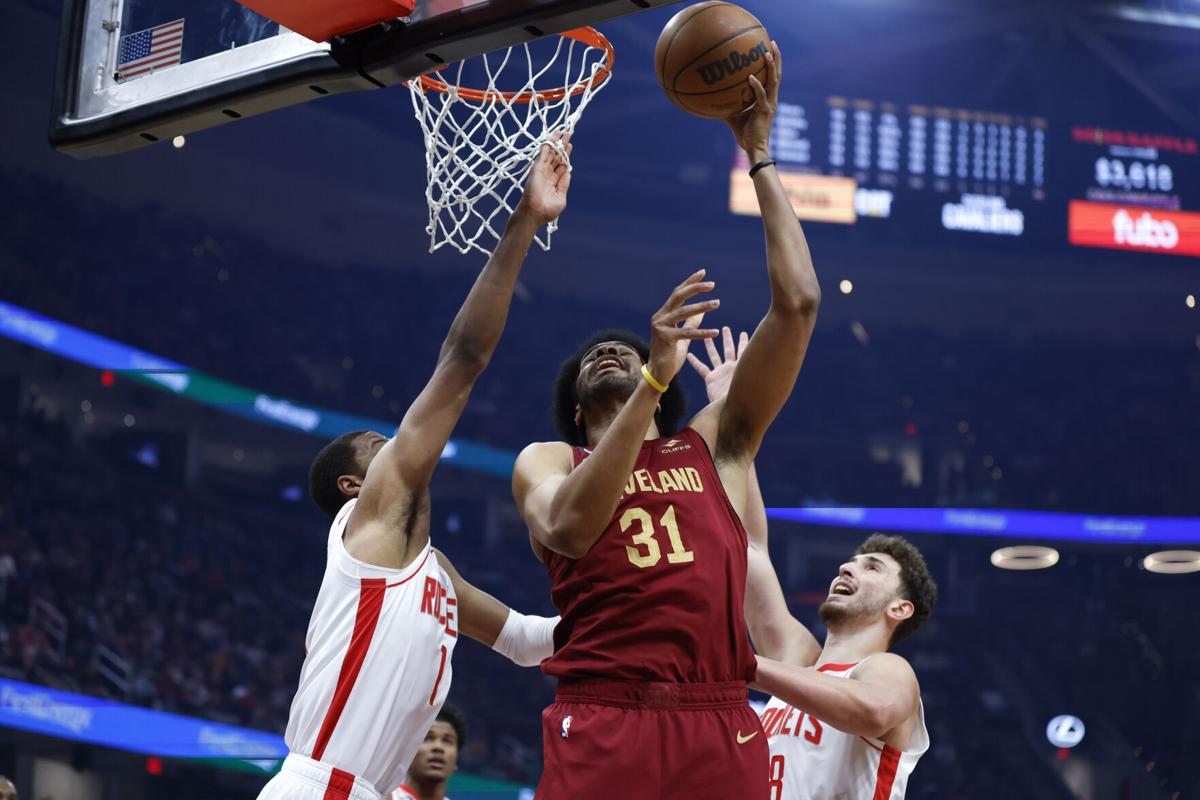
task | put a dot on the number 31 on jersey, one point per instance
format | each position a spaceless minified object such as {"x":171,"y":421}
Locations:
{"x":644,"y":538}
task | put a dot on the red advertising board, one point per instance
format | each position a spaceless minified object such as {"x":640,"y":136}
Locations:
{"x":1121,"y":227}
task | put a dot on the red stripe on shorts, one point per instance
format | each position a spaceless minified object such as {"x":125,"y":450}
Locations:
{"x":340,"y":784}
{"x":370,"y":601}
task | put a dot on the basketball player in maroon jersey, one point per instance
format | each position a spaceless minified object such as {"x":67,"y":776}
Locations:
{"x":638,"y":525}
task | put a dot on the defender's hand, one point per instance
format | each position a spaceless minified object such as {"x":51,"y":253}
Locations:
{"x":545,"y":196}
{"x":752,"y":128}
{"x":669,"y":340}
{"x":718,"y":377}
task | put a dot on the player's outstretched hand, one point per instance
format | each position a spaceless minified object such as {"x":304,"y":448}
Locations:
{"x":675,"y":325}
{"x":545,"y":195}
{"x":752,"y":128}
{"x":718,"y":377}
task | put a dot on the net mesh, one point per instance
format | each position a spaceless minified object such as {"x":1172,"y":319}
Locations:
{"x":480,"y":144}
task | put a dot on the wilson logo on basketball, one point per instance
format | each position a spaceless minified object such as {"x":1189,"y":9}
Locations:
{"x":732,"y":64}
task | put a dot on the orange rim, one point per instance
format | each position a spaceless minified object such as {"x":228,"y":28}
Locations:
{"x":588,"y":36}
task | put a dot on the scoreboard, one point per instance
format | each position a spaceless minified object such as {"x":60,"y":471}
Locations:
{"x":905,"y":170}
{"x":1135,"y":191}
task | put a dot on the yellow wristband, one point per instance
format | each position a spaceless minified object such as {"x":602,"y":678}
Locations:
{"x":650,"y":379}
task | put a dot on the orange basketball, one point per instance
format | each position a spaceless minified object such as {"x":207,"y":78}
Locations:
{"x":705,"y":54}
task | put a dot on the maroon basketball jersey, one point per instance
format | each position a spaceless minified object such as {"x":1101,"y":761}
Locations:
{"x":659,"y":595}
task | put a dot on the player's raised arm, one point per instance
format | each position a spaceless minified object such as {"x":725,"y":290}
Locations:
{"x":568,"y":509}
{"x":767,"y":370}
{"x":406,"y":463}
{"x":524,"y":639}
{"x":775,"y":633}
{"x":881,"y":695}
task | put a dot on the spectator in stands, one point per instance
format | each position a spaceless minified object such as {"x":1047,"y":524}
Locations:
{"x":437,"y":759}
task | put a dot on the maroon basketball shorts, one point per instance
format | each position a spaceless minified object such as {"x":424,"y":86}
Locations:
{"x":652,"y":741}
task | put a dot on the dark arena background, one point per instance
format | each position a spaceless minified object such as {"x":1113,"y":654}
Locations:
{"x":1003,"y":205}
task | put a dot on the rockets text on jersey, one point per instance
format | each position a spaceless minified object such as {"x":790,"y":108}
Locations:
{"x":812,"y":760}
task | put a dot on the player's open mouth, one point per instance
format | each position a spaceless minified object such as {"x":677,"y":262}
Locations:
{"x":843,"y":588}
{"x":608,"y":362}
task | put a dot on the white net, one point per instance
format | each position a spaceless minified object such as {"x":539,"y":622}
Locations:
{"x":480,"y":142}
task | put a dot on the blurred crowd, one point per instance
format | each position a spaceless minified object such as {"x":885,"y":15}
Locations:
{"x":886,"y":417}
{"x":142,"y":592}
{"x":121,"y":585}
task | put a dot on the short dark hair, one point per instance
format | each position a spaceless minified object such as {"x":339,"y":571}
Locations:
{"x":457,"y":720}
{"x":672,"y":404}
{"x":916,"y":585}
{"x":338,"y":458}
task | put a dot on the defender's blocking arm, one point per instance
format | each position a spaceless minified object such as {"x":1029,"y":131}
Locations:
{"x":524,"y":639}
{"x":775,"y":633}
{"x":405,"y":464}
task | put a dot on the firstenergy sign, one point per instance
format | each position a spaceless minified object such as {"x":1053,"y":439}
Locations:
{"x":1148,"y":230}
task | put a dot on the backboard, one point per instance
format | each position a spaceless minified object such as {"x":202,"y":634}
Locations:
{"x":134,"y":72}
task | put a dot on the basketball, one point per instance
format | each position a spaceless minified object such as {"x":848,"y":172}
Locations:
{"x":704,"y":56}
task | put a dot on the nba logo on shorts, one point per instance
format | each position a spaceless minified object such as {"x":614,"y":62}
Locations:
{"x":566,"y":725}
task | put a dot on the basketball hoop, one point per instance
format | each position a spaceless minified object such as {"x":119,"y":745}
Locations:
{"x":480,"y":143}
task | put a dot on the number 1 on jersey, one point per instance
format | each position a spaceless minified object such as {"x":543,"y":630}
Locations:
{"x":645,"y":538}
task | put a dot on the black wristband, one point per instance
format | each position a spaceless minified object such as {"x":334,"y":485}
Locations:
{"x":766,"y":162}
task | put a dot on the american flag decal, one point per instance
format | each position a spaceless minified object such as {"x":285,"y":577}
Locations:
{"x":151,"y":49}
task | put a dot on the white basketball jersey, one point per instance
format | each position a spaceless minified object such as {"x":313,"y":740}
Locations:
{"x":405,"y":793}
{"x":811,"y":760}
{"x":378,"y":664}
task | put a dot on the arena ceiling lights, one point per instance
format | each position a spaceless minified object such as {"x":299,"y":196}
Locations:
{"x":1025,"y":557}
{"x":1172,"y":15}
{"x":1173,"y":562}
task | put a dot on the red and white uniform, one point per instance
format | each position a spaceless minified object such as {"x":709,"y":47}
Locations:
{"x":811,"y":760}
{"x":376,"y":674}
{"x":405,"y":793}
